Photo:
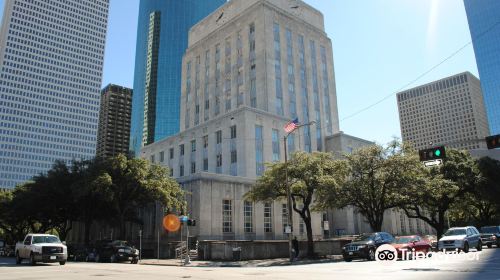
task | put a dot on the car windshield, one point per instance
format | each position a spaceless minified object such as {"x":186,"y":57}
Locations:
{"x":45,"y":239}
{"x":489,"y":230}
{"x":119,"y":243}
{"x":453,"y":232}
{"x":365,"y":237}
{"x":403,"y":240}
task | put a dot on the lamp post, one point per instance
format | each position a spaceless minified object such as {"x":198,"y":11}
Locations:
{"x":288,"y":191}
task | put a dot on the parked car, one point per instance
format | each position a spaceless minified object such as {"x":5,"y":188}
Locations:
{"x":41,"y":248}
{"x":491,"y":236}
{"x":433,"y":240}
{"x":114,"y":251}
{"x":409,"y":244}
{"x":77,"y":253}
{"x":462,"y":239}
{"x":364,"y":246}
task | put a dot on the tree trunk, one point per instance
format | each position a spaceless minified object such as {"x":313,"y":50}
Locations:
{"x":310,"y":241}
{"x":87,"y":225}
{"x":121,"y":226}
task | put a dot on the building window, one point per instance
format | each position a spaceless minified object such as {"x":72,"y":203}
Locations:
{"x":248,"y":216}
{"x":219,"y":160}
{"x":268,"y":218}
{"x":259,"y":151}
{"x":276,"y":145}
{"x":171,"y":172}
{"x":284,"y":216}
{"x":227,"y":216}
{"x":162,"y":156}
{"x":234,"y":156}
{"x":171,"y":152}
{"x":205,"y":164}
{"x":205,"y":141}
{"x":181,"y":170}
{"x":181,"y":149}
{"x":233,"y":132}
{"x":218,"y":136}
{"x":152,"y":158}
{"x":193,"y":167}
{"x":193,"y":146}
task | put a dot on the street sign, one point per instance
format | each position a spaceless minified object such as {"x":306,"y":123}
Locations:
{"x":288,"y":229}
{"x":326,"y":225}
{"x":433,"y":163}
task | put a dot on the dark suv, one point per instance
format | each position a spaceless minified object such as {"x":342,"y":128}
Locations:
{"x":115,"y":251}
{"x":365,"y":245}
{"x":490,"y":236}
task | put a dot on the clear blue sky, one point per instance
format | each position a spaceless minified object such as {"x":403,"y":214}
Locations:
{"x":379,"y":46}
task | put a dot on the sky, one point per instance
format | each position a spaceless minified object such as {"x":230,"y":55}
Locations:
{"x":379,"y":46}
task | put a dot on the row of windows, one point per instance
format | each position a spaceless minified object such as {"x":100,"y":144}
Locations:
{"x":440,"y":85}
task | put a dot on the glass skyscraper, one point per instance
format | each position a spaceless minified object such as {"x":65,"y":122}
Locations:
{"x":162,"y":38}
{"x":51,"y":59}
{"x":484,"y":24}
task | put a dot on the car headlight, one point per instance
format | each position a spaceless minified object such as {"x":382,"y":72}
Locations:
{"x":121,"y":250}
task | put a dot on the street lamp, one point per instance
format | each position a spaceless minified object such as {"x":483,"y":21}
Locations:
{"x":288,"y":191}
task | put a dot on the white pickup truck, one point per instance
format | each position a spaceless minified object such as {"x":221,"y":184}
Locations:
{"x":44,"y":248}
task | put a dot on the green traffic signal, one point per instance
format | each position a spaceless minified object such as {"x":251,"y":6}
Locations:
{"x":437,"y":153}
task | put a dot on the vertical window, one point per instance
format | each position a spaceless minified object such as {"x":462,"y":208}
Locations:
{"x":304,"y":94}
{"x":152,"y":158}
{"x":181,"y":170}
{"x":314,"y":67}
{"x":234,"y":156}
{"x":219,"y":160}
{"x":227,"y":216}
{"x":268,"y":218}
{"x":181,"y":149}
{"x":276,"y":145}
{"x":218,"y":136}
{"x":205,"y":164}
{"x":162,"y":156}
{"x":171,"y":152}
{"x":233,"y":132}
{"x":193,"y":145}
{"x":277,"y":70}
{"x":259,"y":153}
{"x":248,"y":216}
{"x":284,"y":216}
{"x":193,"y":167}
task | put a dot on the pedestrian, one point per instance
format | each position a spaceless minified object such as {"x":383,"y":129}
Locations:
{"x":295,"y":246}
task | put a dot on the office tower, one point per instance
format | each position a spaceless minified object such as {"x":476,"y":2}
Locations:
{"x":51,"y":59}
{"x":250,"y":68}
{"x":162,"y":36}
{"x":446,"y":112}
{"x":114,"y":121}
{"x":484,"y":25}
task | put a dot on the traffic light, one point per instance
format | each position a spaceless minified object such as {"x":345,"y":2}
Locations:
{"x":191,"y":223}
{"x":433,"y":154}
{"x":493,"y":142}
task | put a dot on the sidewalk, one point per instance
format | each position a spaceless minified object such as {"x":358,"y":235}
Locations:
{"x":250,"y":263}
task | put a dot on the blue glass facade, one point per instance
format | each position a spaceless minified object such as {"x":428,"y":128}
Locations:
{"x":484,"y":24}
{"x":176,"y":18}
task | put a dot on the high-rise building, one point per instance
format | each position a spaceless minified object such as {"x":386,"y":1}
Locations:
{"x":446,"y":112}
{"x":114,"y":121}
{"x":250,"y":68}
{"x":51,"y":59}
{"x":484,"y":25}
{"x":162,"y":37}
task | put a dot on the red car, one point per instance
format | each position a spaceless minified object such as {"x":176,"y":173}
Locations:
{"x":410,"y":244}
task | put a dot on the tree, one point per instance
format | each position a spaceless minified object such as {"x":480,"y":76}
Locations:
{"x":308,"y":174}
{"x":376,"y":177}
{"x":134,"y":183}
{"x":443,"y":188}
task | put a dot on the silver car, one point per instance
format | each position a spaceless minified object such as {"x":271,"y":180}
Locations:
{"x":461,"y":239}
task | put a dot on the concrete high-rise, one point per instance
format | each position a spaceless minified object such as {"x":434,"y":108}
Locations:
{"x":250,"y":68}
{"x":447,"y":112}
{"x":162,"y":36}
{"x":51,"y":59}
{"x":484,"y":25}
{"x":114,"y":121}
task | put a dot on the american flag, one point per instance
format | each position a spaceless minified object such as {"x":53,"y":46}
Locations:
{"x":291,"y":126}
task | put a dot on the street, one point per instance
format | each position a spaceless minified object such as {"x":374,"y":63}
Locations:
{"x":487,"y":267}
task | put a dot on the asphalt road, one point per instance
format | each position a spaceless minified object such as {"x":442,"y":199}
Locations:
{"x":487,"y":267}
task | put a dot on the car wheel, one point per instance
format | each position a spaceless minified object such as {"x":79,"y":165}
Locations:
{"x":466,"y":247}
{"x":62,"y":263}
{"x":18,"y":258}
{"x":112,"y":259}
{"x":371,"y":255}
{"x":134,"y":261}
{"x":32,"y":259}
{"x":489,"y":245}
{"x":479,"y":247}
